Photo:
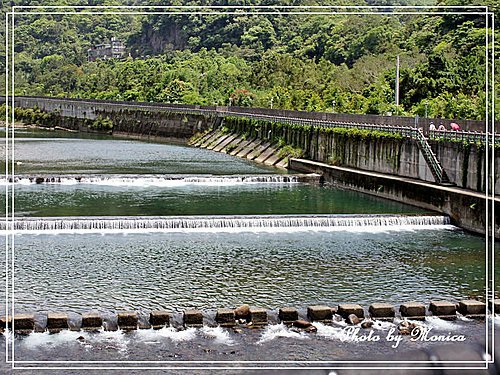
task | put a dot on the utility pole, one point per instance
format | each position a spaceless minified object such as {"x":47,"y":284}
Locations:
{"x":397,"y":85}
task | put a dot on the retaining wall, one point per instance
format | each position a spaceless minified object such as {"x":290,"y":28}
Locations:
{"x":139,"y":120}
{"x":72,"y":106}
{"x":466,"y":209}
{"x":465,"y":165}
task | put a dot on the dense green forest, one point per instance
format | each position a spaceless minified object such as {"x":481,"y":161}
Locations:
{"x":344,"y":62}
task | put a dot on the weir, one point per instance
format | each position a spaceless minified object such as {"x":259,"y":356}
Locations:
{"x":161,"y":180}
{"x":227,"y":223}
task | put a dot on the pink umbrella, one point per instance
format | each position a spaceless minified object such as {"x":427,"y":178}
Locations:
{"x":454,"y":126}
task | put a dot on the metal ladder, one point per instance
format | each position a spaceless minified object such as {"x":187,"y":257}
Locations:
{"x":437,"y":170}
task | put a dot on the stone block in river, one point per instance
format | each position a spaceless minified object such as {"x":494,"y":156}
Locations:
{"x":319,"y":313}
{"x":159,"y":318}
{"x":258,"y":316}
{"x":288,"y":314}
{"x":193,"y":318}
{"x":412,"y":310}
{"x":225,"y":317}
{"x":443,"y":308}
{"x":128,"y":320}
{"x":24,"y":322}
{"x":471,"y":307}
{"x":91,"y":321}
{"x":382,"y":310}
{"x":57,"y":321}
{"x":347,"y":309}
{"x":495,"y":308}
{"x":5,"y":322}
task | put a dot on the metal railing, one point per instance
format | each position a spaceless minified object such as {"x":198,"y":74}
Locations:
{"x":464,"y":135}
{"x":430,"y":157}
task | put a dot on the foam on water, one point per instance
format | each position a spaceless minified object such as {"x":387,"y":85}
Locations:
{"x":279,"y":330}
{"x":177,"y":336}
{"x":220,"y":335}
{"x":441,"y":324}
{"x":230,"y":224}
{"x":332,"y":333}
{"x":154,"y":181}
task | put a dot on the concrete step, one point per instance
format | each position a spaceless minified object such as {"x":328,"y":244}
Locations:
{"x":231,"y":146}
{"x":266,"y":154}
{"x":259,"y":150}
{"x":240,"y":147}
{"x":203,"y":138}
{"x":218,"y":141}
{"x":273,"y":159}
{"x":249,"y":148}
{"x":223,"y":144}
{"x":211,"y":139}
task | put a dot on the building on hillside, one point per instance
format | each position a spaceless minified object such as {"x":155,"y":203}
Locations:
{"x":115,"y":49}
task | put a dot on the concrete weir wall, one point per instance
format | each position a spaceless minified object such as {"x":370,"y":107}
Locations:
{"x":467,"y":209}
{"x":142,"y":121}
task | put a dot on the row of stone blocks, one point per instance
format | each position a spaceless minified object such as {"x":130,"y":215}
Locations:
{"x":25,"y":323}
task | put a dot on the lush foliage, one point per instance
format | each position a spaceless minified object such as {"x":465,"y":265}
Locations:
{"x":344,"y":63}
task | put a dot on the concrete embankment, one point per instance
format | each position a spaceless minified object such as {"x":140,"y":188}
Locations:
{"x":467,"y":209}
{"x":240,"y":145}
{"x":246,"y":316}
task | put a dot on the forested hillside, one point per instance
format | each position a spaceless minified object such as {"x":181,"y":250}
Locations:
{"x":342,"y":62}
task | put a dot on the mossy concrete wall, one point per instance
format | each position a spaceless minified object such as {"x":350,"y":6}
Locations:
{"x":466,"y":209}
{"x":137,"y":120}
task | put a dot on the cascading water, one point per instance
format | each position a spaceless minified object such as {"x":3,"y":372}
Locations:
{"x":153,"y":180}
{"x":226,"y":223}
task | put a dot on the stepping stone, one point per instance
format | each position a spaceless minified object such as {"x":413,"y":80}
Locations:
{"x":319,"y":313}
{"x":159,"y":318}
{"x":225,"y":317}
{"x":347,"y":309}
{"x":91,"y":321}
{"x":443,"y":308}
{"x":382,"y":310}
{"x":412,"y":310}
{"x":193,"y":318}
{"x":288,"y":314}
{"x":128,"y":320}
{"x":258,"y":316}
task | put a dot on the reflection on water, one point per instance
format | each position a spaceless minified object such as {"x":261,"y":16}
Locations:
{"x":176,"y":271}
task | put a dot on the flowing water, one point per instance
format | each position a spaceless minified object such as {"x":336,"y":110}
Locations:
{"x":110,"y":225}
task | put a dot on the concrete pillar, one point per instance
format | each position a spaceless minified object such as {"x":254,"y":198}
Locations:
{"x":91,"y":321}
{"x":193,"y":318}
{"x":258,"y":316}
{"x":159,"y":319}
{"x":347,"y":309}
{"x":128,"y":320}
{"x":414,"y":310}
{"x":57,"y":321}
{"x":225,"y":317}
{"x":319,"y":313}
{"x":383,"y":311}
{"x":288,"y":315}
{"x":443,"y":309}
{"x":472,"y":308}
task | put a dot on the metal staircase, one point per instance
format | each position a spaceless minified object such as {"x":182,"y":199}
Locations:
{"x":437,"y":170}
